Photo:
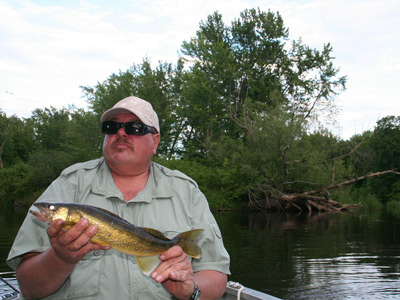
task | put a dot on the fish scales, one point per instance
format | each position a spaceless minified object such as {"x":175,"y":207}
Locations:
{"x":144,"y":243}
{"x":121,"y":235}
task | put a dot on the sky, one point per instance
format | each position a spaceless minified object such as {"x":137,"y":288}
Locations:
{"x":50,"y":48}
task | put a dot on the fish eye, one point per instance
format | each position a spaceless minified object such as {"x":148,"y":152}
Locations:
{"x":52,"y":207}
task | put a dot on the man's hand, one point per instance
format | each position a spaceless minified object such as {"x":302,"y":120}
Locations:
{"x":175,"y":273}
{"x":72,"y":245}
{"x":40,"y":274}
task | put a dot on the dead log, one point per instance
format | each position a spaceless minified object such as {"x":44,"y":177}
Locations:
{"x":322,"y":202}
{"x":315,"y":200}
{"x":352,"y":181}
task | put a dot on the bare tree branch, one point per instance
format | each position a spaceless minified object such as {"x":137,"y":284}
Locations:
{"x":369,"y":175}
{"x":312,"y":200}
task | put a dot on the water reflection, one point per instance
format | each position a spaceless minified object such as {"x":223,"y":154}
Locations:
{"x":10,"y":221}
{"x":298,"y":256}
{"x":345,"y":277}
{"x":315,"y":257}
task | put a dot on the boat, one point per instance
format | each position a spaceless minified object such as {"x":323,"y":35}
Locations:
{"x":9,"y":290}
{"x":235,"y":290}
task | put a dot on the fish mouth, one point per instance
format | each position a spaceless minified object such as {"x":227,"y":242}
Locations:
{"x":44,"y":214}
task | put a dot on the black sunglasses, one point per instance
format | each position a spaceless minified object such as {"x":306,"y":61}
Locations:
{"x":131,"y":128}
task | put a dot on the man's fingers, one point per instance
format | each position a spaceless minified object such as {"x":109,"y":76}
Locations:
{"x":83,"y":239}
{"x":73,"y":233}
{"x":173,"y":252}
{"x":74,"y":238}
{"x":73,"y":244}
{"x":55,"y":228}
{"x":176,"y":268}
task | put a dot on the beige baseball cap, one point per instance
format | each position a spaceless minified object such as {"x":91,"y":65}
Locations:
{"x":139,"y":107}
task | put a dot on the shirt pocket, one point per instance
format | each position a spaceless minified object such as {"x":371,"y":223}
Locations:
{"x":84,"y":280}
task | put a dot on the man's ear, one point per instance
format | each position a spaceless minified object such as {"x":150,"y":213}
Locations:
{"x":156,"y":141}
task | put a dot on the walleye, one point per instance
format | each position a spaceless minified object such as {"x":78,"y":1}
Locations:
{"x":144,"y":243}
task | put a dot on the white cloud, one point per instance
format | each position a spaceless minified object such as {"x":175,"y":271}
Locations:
{"x":48,"y":50}
{"x":366,"y":43}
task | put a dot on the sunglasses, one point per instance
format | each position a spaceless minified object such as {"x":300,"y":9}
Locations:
{"x":131,"y":128}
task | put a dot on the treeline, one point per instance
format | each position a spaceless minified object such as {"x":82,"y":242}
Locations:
{"x":237,"y":113}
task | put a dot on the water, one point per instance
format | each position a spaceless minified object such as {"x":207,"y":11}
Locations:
{"x":10,"y":222}
{"x":342,"y":256}
{"x":315,"y":257}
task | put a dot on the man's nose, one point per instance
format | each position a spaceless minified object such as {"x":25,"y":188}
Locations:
{"x":121,"y":132}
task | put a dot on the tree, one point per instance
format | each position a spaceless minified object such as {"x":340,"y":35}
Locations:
{"x":161,"y":87}
{"x":84,"y":139}
{"x":16,"y":140}
{"x":50,"y":127}
{"x":384,"y":144}
{"x":3,"y":129}
{"x":250,"y":61}
{"x":260,"y":94}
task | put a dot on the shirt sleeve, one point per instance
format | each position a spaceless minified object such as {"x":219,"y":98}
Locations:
{"x":214,"y":255}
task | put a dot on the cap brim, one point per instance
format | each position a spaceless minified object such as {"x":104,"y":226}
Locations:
{"x":107,"y":115}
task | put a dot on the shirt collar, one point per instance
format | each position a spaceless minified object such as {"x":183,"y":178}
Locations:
{"x":155,"y":188}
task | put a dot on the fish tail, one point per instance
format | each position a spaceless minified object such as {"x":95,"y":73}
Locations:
{"x":186,"y":240}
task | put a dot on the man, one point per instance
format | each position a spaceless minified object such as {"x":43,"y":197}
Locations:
{"x":54,"y":264}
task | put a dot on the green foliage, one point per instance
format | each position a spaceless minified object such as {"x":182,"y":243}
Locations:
{"x":386,"y":142}
{"x":249,"y":62}
{"x":84,"y":139}
{"x":314,"y":162}
{"x":50,"y":125}
{"x":16,"y":140}
{"x":369,"y":201}
{"x":380,"y":151}
{"x":46,"y":165}
{"x":220,"y":185}
{"x":22,"y":181}
{"x":393,"y":206}
{"x":235,"y":115}
{"x":161,"y":87}
{"x":14,"y":184}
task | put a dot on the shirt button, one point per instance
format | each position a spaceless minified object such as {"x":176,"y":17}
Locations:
{"x":96,"y":253}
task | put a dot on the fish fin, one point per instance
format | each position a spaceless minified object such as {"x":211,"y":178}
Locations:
{"x":97,"y":241}
{"x":156,"y":233}
{"x":186,"y":240}
{"x":148,"y":264}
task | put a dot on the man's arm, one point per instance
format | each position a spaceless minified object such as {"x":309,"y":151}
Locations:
{"x":41,"y":274}
{"x":176,"y":274}
{"x":211,"y":283}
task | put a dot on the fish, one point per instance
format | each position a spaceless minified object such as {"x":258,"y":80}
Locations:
{"x":146,"y":244}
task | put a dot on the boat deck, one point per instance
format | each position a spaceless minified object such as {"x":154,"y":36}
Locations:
{"x":8,"y":287}
{"x":9,"y":290}
{"x":235,"y":290}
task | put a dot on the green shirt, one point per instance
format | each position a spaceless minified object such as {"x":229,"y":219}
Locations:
{"x":171,"y":202}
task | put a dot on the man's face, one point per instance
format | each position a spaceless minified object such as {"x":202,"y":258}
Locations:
{"x":125,"y":150}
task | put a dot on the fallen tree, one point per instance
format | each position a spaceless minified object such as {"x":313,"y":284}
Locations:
{"x":316,"y":200}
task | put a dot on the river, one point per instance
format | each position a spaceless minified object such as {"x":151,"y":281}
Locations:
{"x":341,"y":256}
{"x":322,"y":256}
